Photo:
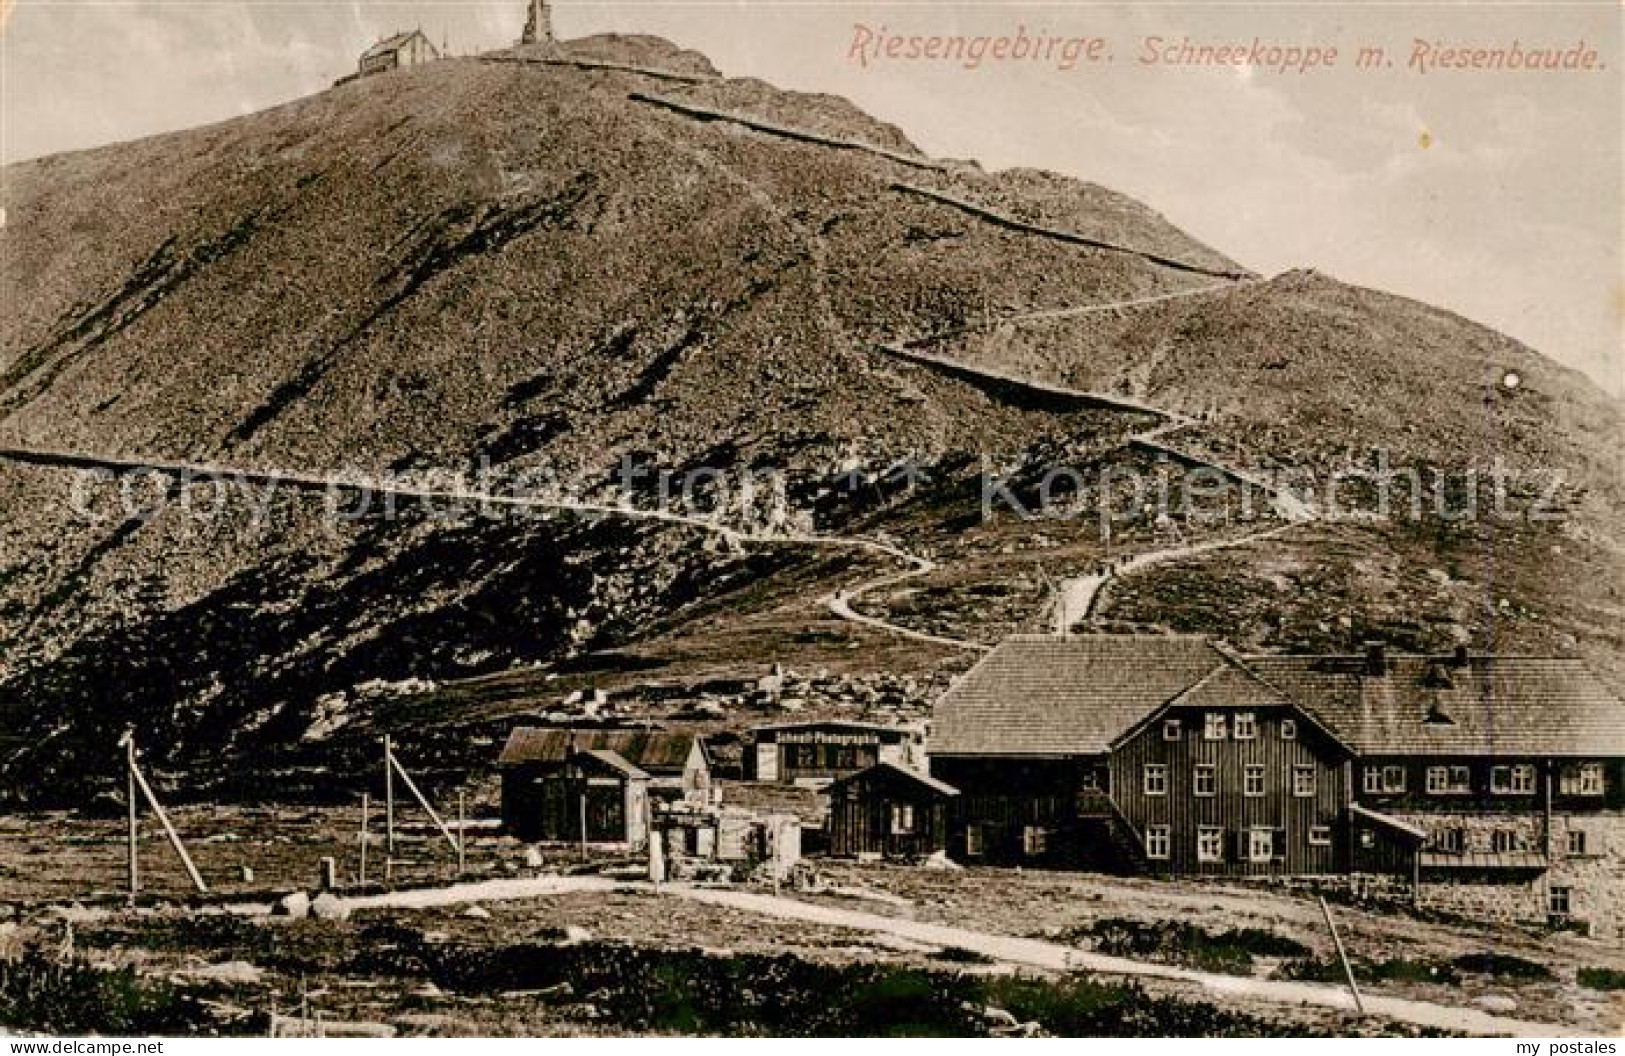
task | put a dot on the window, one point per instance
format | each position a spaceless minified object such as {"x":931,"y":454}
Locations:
{"x":1368,"y":839}
{"x":1448,"y":840}
{"x":1373,"y":780}
{"x":1246,"y":726}
{"x":1090,"y":780}
{"x":1289,"y":729}
{"x":1449,"y":780}
{"x":1303,"y":781}
{"x":902,"y":819}
{"x":973,"y":840}
{"x":1577,"y":842}
{"x":1512,"y":780}
{"x":1503,"y":841}
{"x":1213,"y":726}
{"x":1209,"y":843}
{"x":1034,"y":840}
{"x":1172,"y":730}
{"x":1393,"y":779}
{"x":1156,"y":842}
{"x":1252,"y":782}
{"x":1156,"y":779}
{"x":1584,"y":779}
{"x":1559,"y":901}
{"x":1205,"y":781}
{"x":1260,"y":845}
{"x":1320,"y":836}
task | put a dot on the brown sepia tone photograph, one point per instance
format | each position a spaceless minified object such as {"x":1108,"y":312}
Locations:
{"x":640,"y":519}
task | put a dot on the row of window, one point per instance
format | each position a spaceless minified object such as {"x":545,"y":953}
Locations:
{"x":1506,"y":841}
{"x":829,"y":756}
{"x":1218,"y":725}
{"x":1575,"y":779}
{"x":1258,"y":844}
{"x":1205,"y":780}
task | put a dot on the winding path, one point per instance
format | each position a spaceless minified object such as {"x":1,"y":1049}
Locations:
{"x":1080,"y":595}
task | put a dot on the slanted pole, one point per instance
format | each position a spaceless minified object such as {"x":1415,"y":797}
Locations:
{"x":1342,"y":955}
{"x":169,"y":830}
{"x":423,"y":801}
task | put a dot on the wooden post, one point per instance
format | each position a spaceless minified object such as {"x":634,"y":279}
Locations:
{"x":361,"y":879}
{"x":462,"y":834}
{"x":583,"y":817}
{"x":1342,"y":955}
{"x":389,"y":799}
{"x":133,"y":865}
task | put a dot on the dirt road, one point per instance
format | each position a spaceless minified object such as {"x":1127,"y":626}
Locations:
{"x":1032,"y":953}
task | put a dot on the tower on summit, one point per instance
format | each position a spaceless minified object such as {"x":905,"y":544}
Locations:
{"x":539,"y":26}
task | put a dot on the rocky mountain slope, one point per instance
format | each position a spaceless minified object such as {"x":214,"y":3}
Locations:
{"x":522,"y":270}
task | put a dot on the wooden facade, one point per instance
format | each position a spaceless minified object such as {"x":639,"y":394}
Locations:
{"x":1234,"y":792}
{"x":551,"y":776}
{"x":1013,"y":811}
{"x":1482,"y":773}
{"x":818,"y":752}
{"x":889,"y":811}
{"x":594,"y":797}
{"x":401,"y":50}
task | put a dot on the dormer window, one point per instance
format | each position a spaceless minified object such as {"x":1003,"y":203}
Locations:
{"x":1437,"y":716}
{"x":1437,"y":676}
{"x":1213,"y":726}
{"x":1246,"y":726}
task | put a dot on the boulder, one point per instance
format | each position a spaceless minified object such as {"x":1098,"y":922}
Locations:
{"x":1496,"y":1003}
{"x":477,"y":913}
{"x":295,"y":906}
{"x":328,"y":906}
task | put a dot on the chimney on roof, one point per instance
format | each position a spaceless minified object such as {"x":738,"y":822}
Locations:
{"x":1376,"y":658}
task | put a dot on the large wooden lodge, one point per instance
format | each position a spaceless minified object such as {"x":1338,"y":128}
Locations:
{"x":1490,"y":784}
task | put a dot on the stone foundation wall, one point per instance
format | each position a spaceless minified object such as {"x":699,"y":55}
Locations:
{"x":1595,"y":875}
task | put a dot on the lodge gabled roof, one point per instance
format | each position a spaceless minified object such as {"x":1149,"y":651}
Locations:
{"x":1047,"y":696}
{"x":1057,"y":697}
{"x":1473,"y":705}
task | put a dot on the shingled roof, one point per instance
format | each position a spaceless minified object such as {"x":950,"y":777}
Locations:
{"x":1047,"y":696}
{"x":1479,"y":705}
{"x":1066,"y":696}
{"x":659,"y":752}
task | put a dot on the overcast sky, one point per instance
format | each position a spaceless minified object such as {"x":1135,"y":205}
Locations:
{"x":1496,"y":194}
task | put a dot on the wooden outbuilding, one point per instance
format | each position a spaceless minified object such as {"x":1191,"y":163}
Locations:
{"x":814,"y":753}
{"x":890,"y":811}
{"x":557,"y":782}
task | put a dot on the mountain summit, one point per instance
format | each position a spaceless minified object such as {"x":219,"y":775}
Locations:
{"x":573,"y":258}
